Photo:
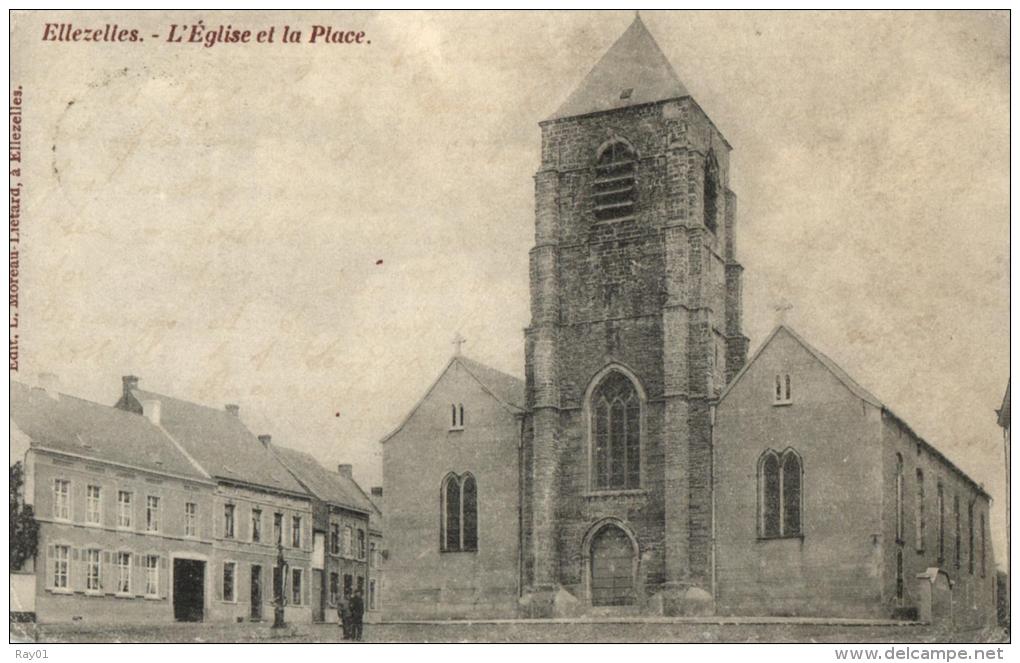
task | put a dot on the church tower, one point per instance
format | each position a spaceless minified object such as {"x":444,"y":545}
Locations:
{"x":635,"y":329}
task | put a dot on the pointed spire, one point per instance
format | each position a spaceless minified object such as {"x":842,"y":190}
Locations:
{"x":633,"y":71}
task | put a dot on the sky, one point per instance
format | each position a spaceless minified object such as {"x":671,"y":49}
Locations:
{"x":302,"y":229}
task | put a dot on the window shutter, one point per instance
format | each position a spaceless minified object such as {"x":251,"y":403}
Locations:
{"x":218,"y":581}
{"x":51,"y":564}
{"x":107,"y":581}
{"x":164,"y":576}
{"x":306,"y":587}
{"x":76,"y":569}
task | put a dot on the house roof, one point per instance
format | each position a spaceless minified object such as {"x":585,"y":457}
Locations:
{"x":220,"y":443}
{"x":331,"y":487}
{"x":83,"y":428}
{"x":505,"y":388}
{"x":635,"y":63}
{"x":855,"y":389}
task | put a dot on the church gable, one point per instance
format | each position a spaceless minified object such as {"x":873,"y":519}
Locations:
{"x":466,"y":396}
{"x":452,"y":494}
{"x":787,"y":371}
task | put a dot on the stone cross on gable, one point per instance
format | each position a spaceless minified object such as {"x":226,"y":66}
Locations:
{"x":781,"y":309}
{"x":458,"y":341}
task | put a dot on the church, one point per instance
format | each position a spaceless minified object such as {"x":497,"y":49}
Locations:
{"x":644,"y":465}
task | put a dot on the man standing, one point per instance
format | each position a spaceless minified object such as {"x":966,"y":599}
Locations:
{"x":343,"y":609}
{"x":357,"y":615}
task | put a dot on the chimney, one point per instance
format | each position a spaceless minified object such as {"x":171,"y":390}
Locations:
{"x":151,"y":410}
{"x":377,"y":497}
{"x":49,"y":382}
{"x":233,"y":409}
{"x":345,"y":470}
{"x":265,"y":440}
{"x":130,"y":382}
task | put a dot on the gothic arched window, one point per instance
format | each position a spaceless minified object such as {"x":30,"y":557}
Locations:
{"x":614,"y":187}
{"x":919,"y":515}
{"x":780,"y":479}
{"x":899,"y":498}
{"x":711,"y":192}
{"x":616,"y":434}
{"x":451,"y":513}
{"x":469,"y":497}
{"x":459,"y":514}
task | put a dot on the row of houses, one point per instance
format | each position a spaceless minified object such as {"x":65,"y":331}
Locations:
{"x":158,"y":509}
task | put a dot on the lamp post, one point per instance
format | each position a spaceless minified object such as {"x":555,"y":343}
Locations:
{"x":279,"y":599}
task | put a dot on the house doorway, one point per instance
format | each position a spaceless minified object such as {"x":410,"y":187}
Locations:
{"x":612,"y":568}
{"x":256,"y":592}
{"x":319,"y":584}
{"x":189,"y":590}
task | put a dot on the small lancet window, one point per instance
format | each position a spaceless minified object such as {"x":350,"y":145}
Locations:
{"x":456,"y":416}
{"x":614,"y":187}
{"x":782,"y":394}
{"x":711,"y":192}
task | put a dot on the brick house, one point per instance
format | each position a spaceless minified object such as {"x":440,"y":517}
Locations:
{"x":257,"y":505}
{"x":125,"y":517}
{"x":340,"y":530}
{"x":452,"y":500}
{"x":828,"y":503}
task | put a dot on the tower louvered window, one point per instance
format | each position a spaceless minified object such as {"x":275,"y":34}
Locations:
{"x":614,"y":187}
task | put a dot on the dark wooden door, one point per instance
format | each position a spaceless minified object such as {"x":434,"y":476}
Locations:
{"x":189,"y":590}
{"x":256,"y":592}
{"x":612,"y":568}
{"x":319,"y":595}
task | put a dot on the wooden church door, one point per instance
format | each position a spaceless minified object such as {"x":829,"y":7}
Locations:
{"x":612,"y":568}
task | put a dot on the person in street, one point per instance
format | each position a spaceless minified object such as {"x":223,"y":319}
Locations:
{"x":357,"y":615}
{"x":343,"y":610}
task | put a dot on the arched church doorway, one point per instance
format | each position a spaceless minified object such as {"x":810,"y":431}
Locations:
{"x":612,"y":567}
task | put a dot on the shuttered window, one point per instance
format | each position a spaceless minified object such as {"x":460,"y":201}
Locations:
{"x":296,"y":587}
{"x":152,"y":575}
{"x":123,"y":573}
{"x":61,"y":566}
{"x":93,"y":570}
{"x":229,"y":581}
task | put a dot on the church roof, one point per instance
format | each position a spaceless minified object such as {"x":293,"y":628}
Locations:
{"x":633,"y":71}
{"x":854,"y":388}
{"x":79,"y":427}
{"x":505,"y":388}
